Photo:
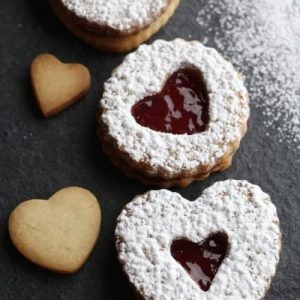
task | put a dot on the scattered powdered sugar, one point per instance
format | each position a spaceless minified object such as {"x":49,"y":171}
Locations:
{"x":144,"y":73}
{"x":262,"y":38}
{"x":148,"y":225}
{"x":118,"y":14}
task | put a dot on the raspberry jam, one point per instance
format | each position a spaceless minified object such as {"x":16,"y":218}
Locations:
{"x":202,"y":260}
{"x":180,"y":108}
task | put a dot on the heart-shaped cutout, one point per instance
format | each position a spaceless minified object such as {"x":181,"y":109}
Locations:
{"x":238,"y":267}
{"x":201,"y":261}
{"x":182,"y":107}
{"x":57,"y":234}
{"x":57,"y":85}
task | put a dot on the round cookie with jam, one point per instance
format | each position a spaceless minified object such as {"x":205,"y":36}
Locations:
{"x":173,"y":112}
{"x":114,"y":25}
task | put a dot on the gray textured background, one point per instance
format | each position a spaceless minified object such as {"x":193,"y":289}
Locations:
{"x":38,"y":157}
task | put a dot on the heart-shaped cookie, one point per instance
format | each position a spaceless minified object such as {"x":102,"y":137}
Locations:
{"x":60,"y":233}
{"x":57,"y":85}
{"x":224,"y":245}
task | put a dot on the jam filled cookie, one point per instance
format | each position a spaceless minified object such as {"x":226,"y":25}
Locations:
{"x":173,"y":112}
{"x":224,"y":245}
{"x":115,"y":26}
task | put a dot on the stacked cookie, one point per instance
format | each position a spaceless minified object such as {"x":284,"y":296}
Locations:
{"x":170,"y":131}
{"x":114,"y":26}
{"x":223,"y":245}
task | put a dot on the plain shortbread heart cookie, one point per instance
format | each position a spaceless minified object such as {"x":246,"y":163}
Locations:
{"x":57,"y":85}
{"x":149,"y":225}
{"x":57,"y":234}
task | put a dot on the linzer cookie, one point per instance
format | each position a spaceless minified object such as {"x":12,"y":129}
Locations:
{"x":224,"y":245}
{"x":115,"y":26}
{"x":173,"y":112}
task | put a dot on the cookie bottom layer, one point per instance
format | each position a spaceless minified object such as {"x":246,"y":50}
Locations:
{"x":112,"y":43}
{"x":120,"y":160}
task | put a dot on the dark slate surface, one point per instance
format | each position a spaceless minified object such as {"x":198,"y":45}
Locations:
{"x":38,"y":157}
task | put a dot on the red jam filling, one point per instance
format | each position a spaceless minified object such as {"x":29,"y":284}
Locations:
{"x":203,"y":260}
{"x":180,"y":108}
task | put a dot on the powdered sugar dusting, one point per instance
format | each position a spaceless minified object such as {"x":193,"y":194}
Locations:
{"x":148,"y":225}
{"x":144,"y":73}
{"x":262,"y":38}
{"x":118,"y":14}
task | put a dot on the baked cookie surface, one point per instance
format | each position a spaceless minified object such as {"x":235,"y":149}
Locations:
{"x":164,"y":158}
{"x":57,"y":85}
{"x":149,"y":227}
{"x":59,"y":233}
